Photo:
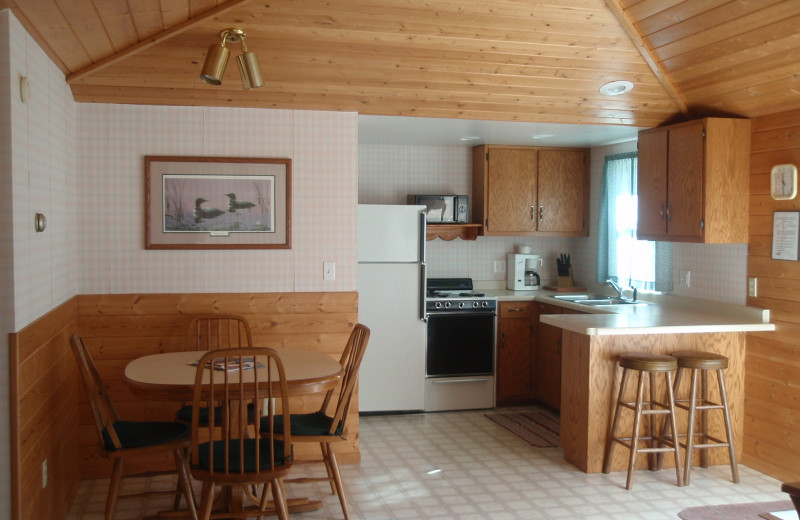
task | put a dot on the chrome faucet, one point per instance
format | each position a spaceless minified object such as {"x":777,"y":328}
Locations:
{"x":616,"y":287}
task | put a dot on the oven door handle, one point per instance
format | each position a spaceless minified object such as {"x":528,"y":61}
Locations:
{"x":470,"y":380}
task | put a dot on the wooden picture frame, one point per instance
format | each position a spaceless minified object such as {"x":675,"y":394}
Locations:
{"x":218,"y":203}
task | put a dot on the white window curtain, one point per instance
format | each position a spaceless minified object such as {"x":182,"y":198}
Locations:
{"x":640,"y":264}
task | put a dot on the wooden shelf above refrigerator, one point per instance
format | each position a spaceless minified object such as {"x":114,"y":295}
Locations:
{"x":452,"y":231}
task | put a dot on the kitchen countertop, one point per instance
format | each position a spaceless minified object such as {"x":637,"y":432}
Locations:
{"x":663,"y":314}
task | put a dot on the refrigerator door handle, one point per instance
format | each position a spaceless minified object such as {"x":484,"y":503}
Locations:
{"x":423,"y":273}
{"x":423,"y":290}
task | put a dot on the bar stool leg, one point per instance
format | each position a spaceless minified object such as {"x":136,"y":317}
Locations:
{"x":674,"y":423}
{"x":636,"y":424}
{"x":610,"y":444}
{"x":674,"y":388}
{"x":704,"y":418}
{"x":728,"y":428}
{"x":690,"y":426}
{"x":652,"y":458}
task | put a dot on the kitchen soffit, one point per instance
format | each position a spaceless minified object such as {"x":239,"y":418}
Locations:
{"x":422,"y":131}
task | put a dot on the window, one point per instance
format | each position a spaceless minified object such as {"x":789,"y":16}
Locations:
{"x":641,"y":264}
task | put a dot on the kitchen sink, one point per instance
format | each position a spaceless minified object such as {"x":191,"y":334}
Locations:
{"x":597,"y":299}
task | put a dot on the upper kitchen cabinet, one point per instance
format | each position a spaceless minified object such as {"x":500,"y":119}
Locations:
{"x":520,"y":190}
{"x":693,"y":182}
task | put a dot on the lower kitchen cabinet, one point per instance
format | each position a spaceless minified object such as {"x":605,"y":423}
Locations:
{"x":514,"y":353}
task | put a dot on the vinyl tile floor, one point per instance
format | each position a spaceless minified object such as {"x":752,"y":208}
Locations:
{"x":460,"y":465}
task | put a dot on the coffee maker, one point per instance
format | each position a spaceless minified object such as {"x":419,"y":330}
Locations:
{"x":522,"y":272}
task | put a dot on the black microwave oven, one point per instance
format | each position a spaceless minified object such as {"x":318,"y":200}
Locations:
{"x":443,"y":209}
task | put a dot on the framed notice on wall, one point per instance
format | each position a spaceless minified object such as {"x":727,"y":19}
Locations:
{"x":785,"y":227}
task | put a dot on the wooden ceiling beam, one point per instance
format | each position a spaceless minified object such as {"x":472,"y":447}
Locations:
{"x":649,"y":55}
{"x":152,"y":40}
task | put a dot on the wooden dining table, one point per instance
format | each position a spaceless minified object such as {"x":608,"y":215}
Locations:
{"x":171,"y":376}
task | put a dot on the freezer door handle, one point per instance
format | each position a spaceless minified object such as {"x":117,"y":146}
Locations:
{"x":423,"y":230}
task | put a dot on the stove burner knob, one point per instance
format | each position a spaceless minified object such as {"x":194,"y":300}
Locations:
{"x":475,"y":304}
{"x":438,"y":305}
{"x":446,"y":305}
{"x":484,"y":304}
{"x":460,"y":305}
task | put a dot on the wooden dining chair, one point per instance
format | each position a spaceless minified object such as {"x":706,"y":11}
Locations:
{"x":214,"y":332}
{"x":218,"y":331}
{"x":330,"y":429}
{"x":120,"y":439}
{"x":223,"y":451}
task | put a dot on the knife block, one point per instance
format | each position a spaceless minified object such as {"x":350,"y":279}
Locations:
{"x":566,"y":281}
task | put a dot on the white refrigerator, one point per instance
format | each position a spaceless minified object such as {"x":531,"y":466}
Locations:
{"x":391,"y":302}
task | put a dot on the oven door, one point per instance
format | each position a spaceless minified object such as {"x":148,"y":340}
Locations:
{"x":460,"y":344}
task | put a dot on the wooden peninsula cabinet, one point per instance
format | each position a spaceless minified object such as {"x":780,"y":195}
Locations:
{"x":693,"y":182}
{"x":547,"y":367}
{"x":514,"y":353}
{"x":525,"y":191}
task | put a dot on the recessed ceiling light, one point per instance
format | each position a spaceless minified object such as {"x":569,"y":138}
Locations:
{"x":469,"y":138}
{"x":615,"y":88}
{"x":541,"y":136}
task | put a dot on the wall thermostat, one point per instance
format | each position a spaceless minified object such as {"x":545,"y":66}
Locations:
{"x":783,"y":182}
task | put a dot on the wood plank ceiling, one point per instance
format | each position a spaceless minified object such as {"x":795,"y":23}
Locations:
{"x":504,"y":60}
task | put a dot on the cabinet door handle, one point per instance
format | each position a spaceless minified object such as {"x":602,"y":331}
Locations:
{"x":541,"y":213}
{"x":533,"y":212}
{"x":515,"y":309}
{"x":661,"y":211}
{"x":669,"y":216}
{"x":503,"y":340}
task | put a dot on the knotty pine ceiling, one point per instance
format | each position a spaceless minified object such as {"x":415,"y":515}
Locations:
{"x":500,"y":60}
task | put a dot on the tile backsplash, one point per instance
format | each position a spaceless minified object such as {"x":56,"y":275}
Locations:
{"x":387,"y":173}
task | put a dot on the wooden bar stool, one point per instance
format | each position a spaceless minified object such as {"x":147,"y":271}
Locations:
{"x":701,"y":363}
{"x":647,"y":365}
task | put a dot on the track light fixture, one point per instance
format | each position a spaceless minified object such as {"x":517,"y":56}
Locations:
{"x":217,"y":60}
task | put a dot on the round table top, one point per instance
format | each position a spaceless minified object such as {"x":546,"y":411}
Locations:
{"x":170,"y":376}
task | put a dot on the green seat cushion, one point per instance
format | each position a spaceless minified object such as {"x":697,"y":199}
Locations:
{"x":134,"y":434}
{"x":316,"y":423}
{"x":185,"y":414}
{"x":234,"y":451}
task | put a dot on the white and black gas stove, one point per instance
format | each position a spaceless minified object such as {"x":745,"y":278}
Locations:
{"x":456,"y":294}
{"x":460,"y":352}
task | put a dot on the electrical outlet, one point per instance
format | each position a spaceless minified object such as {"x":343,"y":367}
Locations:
{"x":752,"y":287}
{"x":685,"y":278}
{"x":329,"y":270}
{"x":44,"y":473}
{"x":499,"y":266}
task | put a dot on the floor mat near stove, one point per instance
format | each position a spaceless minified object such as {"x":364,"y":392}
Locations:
{"x":538,"y":427}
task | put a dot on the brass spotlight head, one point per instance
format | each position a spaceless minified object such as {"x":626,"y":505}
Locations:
{"x":217,"y":60}
{"x":214,"y":66}
{"x":249,"y":70}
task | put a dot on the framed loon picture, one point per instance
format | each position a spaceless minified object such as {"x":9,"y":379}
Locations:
{"x":217,"y":203}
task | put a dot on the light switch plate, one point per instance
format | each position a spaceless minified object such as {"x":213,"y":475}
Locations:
{"x":752,"y":287}
{"x":329,"y":270}
{"x":686,"y":278}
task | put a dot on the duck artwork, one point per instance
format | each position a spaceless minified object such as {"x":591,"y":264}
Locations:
{"x":201,"y":213}
{"x":234,"y":204}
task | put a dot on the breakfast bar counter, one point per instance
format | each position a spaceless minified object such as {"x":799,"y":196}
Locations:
{"x":593,"y":339}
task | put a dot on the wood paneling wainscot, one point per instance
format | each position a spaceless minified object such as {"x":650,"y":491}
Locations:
{"x":45,"y":392}
{"x":51,"y":418}
{"x":772,"y":407}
